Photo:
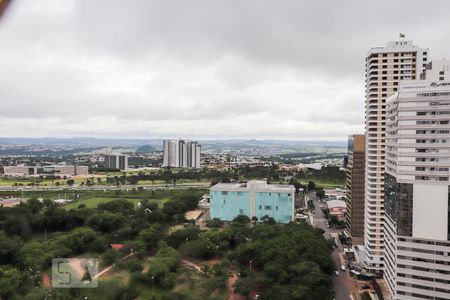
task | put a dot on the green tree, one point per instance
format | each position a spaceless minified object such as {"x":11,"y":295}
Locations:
{"x":150,"y":236}
{"x":10,"y":281}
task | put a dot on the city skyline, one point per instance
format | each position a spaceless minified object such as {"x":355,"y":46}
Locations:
{"x":223,"y":70}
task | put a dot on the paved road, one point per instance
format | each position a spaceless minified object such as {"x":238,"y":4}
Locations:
{"x":103,"y":187}
{"x":343,"y":285}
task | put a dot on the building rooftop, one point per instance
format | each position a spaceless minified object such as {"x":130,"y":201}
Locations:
{"x":394,"y":46}
{"x":336,"y":204}
{"x":253,"y":185}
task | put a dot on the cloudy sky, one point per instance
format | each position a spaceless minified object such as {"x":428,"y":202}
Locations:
{"x":199,"y":69}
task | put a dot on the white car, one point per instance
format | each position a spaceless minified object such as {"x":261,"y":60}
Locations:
{"x":343,"y":268}
{"x":336,"y":273}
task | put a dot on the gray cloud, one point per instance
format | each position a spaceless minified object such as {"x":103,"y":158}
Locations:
{"x":257,"y":69}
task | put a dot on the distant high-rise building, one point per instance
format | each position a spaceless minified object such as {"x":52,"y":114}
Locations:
{"x":355,"y":187}
{"x":417,"y":187}
{"x":385,"y":68}
{"x":116,"y":161}
{"x":181,"y":154}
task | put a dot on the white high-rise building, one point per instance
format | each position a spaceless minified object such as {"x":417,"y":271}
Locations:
{"x":116,"y":161}
{"x":181,"y":154}
{"x":385,"y":68}
{"x":417,"y":187}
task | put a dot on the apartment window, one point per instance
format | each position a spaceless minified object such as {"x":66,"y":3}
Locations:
{"x":267,"y":207}
{"x":276,"y":207}
{"x":224,"y":193}
{"x":260,"y":207}
{"x":241,"y":211}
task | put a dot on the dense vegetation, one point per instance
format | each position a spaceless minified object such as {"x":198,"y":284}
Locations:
{"x":294,"y":261}
{"x":270,"y":173}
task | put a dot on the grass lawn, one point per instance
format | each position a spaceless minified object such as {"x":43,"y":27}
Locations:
{"x":326,"y":184}
{"x":25,"y":181}
{"x":93,"y":202}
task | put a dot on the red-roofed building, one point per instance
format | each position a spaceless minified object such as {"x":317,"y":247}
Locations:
{"x":117,"y":246}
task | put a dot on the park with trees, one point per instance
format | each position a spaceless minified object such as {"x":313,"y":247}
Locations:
{"x":167,"y":256}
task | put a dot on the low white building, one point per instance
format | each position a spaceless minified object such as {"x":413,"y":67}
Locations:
{"x":56,"y":170}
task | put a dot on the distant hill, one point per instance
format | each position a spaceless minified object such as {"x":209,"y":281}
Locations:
{"x":250,"y":146}
{"x":146,"y":149}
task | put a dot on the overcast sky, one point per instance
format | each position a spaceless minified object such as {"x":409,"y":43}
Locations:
{"x":199,"y":69}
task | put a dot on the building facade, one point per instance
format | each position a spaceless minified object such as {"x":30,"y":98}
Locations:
{"x":181,"y":154}
{"x":56,"y":170}
{"x":385,"y":68}
{"x":253,"y":199}
{"x":116,"y":161}
{"x":356,"y":158}
{"x":417,"y":187}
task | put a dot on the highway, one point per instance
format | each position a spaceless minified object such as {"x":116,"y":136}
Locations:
{"x":37,"y":188}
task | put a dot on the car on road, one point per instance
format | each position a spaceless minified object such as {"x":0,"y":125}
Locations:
{"x":343,"y":268}
{"x":336,"y":273}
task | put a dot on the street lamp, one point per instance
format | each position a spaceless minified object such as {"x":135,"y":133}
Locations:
{"x":217,"y":250}
{"x":153,"y":277}
{"x":250,"y":266}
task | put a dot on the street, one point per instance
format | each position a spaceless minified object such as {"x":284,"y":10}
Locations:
{"x":342,"y":284}
{"x":103,"y":187}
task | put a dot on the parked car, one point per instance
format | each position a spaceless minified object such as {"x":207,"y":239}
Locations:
{"x":336,"y":273}
{"x":343,"y":268}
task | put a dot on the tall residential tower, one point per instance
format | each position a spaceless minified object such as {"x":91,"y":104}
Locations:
{"x":181,"y":154}
{"x":355,"y":187}
{"x":116,"y":161}
{"x":417,"y":187}
{"x":385,"y":68}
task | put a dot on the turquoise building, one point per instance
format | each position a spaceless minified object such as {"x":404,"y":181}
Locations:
{"x":253,"y":199}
